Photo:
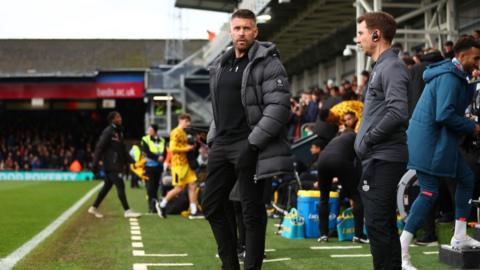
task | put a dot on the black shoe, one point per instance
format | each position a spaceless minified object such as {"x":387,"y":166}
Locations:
{"x":322,"y":239}
{"x":161,"y":211}
{"x":197,"y":215}
{"x":427,"y":240}
{"x":362,"y":239}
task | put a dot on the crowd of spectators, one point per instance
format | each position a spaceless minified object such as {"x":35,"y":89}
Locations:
{"x":47,"y":140}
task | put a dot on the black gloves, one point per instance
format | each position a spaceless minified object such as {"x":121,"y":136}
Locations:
{"x":247,"y":160}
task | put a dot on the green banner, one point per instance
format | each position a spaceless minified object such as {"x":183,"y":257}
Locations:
{"x":45,"y":176}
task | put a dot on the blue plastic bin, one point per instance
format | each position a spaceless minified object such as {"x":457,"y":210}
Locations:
{"x":307,"y":204}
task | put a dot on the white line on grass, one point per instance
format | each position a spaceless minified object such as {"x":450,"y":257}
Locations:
{"x":134,"y":227}
{"x":144,"y":266}
{"x":137,"y":244}
{"x":276,"y":260}
{"x":430,"y":252}
{"x":142,"y":253}
{"x":350,"y":255}
{"x":9,"y":261}
{"x":135,"y":232}
{"x":335,"y":247}
{"x":136,"y":238}
{"x":270,"y":250}
{"x":273,"y":260}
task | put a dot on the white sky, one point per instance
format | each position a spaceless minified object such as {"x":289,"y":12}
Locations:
{"x":105,"y":19}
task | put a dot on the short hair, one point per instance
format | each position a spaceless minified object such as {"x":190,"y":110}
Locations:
{"x":350,"y":113}
{"x":307,"y":92}
{"x":448,"y":43}
{"x":111,"y":115}
{"x":465,"y":43}
{"x":365,"y":73}
{"x":184,"y":116}
{"x":154,"y":127}
{"x":244,"y":14}
{"x":382,"y":21}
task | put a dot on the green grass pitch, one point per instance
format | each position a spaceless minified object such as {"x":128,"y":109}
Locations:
{"x":84,"y":242}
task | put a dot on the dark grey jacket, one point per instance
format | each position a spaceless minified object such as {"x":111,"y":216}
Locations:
{"x":266,"y":100}
{"x":385,"y":113}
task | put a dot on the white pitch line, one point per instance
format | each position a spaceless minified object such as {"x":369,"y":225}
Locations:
{"x":133,"y":219}
{"x":144,"y":266}
{"x":135,"y":232}
{"x":142,"y":253}
{"x":137,"y":244}
{"x":350,"y":255}
{"x":9,"y":261}
{"x":270,"y":250}
{"x":335,"y":247}
{"x":430,"y":252}
{"x":134,"y":224}
{"x":276,"y":260}
{"x":136,"y":238}
{"x":134,"y":228}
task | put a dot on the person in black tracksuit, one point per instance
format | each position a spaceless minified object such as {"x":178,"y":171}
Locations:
{"x":338,"y":159}
{"x":112,"y":151}
{"x":381,"y":142}
{"x":153,"y":148}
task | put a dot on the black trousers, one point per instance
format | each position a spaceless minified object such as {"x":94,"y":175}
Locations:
{"x":219,"y":211}
{"x":349,"y":176}
{"x":154,"y":174}
{"x":112,"y":178}
{"x":378,"y":187}
{"x":240,"y":226}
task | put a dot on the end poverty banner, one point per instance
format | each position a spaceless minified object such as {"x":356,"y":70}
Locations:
{"x":45,"y":176}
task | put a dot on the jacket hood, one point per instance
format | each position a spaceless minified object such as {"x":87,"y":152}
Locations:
{"x":440,"y":68}
{"x":258,"y":49}
{"x":432,"y":57}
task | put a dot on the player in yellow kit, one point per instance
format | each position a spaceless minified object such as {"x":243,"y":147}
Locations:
{"x":182,"y":174}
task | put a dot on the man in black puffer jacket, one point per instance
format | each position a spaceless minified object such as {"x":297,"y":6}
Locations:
{"x":112,"y":151}
{"x":248,"y":138}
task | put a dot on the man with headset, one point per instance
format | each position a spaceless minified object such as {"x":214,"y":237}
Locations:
{"x":381,"y":140}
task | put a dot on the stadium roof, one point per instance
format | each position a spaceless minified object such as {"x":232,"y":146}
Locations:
{"x":308,"y":32}
{"x":82,"y":57}
{"x":212,"y":5}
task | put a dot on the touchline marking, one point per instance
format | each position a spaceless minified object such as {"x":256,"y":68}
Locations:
{"x":276,"y":260}
{"x":136,"y":238}
{"x":144,"y":266}
{"x":335,"y":247}
{"x":142,"y":253}
{"x":133,"y":219}
{"x":430,"y":252}
{"x":137,"y":244}
{"x":9,"y":261}
{"x":134,"y":228}
{"x":270,"y":250}
{"x":134,"y":224}
{"x":350,"y":255}
{"x":135,"y":232}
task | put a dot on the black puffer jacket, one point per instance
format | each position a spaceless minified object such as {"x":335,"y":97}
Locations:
{"x":111,"y":149}
{"x":416,"y":83}
{"x":266,"y":99}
